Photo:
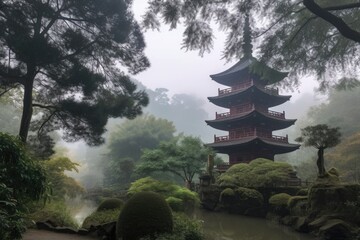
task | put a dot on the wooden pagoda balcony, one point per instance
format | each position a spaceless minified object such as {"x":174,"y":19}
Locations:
{"x":248,"y":108}
{"x":252,"y":133}
{"x":244,"y":85}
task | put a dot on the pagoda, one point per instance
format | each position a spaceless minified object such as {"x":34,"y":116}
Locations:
{"x":249,"y":121}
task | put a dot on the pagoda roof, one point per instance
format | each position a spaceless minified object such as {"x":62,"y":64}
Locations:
{"x":254,"y":117}
{"x":260,"y":95}
{"x":254,"y":142}
{"x":249,"y":66}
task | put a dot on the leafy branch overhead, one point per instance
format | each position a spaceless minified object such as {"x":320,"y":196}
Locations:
{"x":304,"y":36}
{"x":70,"y":58}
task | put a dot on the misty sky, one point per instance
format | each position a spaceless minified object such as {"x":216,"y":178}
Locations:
{"x":186,"y":72}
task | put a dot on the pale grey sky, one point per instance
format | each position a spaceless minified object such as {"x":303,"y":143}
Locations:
{"x":186,"y":72}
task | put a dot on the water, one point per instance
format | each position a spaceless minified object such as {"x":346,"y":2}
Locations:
{"x":222,"y":226}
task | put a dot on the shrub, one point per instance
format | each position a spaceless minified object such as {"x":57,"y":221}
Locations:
{"x":258,"y":173}
{"x":101,"y":217}
{"x":110,"y":204}
{"x":189,"y":199}
{"x":176,"y":204}
{"x":21,"y":179}
{"x":303,"y":192}
{"x":279,"y":203}
{"x":251,"y":196}
{"x":144,"y":214}
{"x":57,"y":213}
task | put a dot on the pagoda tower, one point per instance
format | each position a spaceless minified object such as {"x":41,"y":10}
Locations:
{"x":249,"y":121}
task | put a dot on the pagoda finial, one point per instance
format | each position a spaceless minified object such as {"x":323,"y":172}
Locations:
{"x":247,"y":46}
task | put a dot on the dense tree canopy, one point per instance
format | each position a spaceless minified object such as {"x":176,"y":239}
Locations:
{"x":128,"y":141}
{"x":305,"y":36}
{"x":184,"y":156}
{"x":70,"y":58}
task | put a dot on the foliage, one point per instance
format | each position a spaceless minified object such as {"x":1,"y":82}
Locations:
{"x":345,"y":157}
{"x":171,"y":192}
{"x":55,"y":211}
{"x":110,"y":204}
{"x":12,"y":222}
{"x":70,"y":58}
{"x":258,"y":173}
{"x":294,"y":35}
{"x":320,"y":136}
{"x":129,"y":140}
{"x":61,"y":184}
{"x":145,"y":214}
{"x":280,"y":199}
{"x":101,"y":217}
{"x":19,"y":171}
{"x":184,"y":156}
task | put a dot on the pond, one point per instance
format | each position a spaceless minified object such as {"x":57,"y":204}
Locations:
{"x":222,"y":226}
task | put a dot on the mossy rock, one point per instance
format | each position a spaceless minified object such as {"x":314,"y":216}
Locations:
{"x":279,"y":204}
{"x":336,"y":229}
{"x":333,"y":171}
{"x":109,"y":204}
{"x":144,"y":214}
{"x":303,"y":192}
{"x":101,"y":217}
{"x":298,"y":205}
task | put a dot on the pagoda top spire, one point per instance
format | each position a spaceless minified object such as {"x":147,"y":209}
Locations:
{"x":247,"y":46}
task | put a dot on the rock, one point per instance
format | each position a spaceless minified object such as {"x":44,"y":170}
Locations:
{"x":67,"y":230}
{"x":336,"y":229}
{"x":44,"y":225}
{"x":301,"y":225}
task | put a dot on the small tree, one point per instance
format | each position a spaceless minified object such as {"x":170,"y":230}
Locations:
{"x":320,"y":136}
{"x":184,"y":156}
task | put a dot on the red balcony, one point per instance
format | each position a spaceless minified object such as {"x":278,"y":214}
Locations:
{"x":251,"y":133}
{"x":247,"y":108}
{"x":244,"y":85}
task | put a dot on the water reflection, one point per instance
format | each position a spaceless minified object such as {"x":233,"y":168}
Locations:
{"x":222,"y":226}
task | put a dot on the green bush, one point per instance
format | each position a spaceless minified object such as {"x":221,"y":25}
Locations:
{"x":144,"y":214}
{"x":56,"y":212}
{"x":189,"y":199}
{"x":176,"y":204}
{"x":101,"y":217}
{"x":279,"y":203}
{"x":21,"y":179}
{"x":110,"y":204}
{"x":280,"y":199}
{"x":303,"y":192}
{"x":258,"y":173}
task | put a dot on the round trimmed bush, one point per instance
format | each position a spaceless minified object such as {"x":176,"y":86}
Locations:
{"x":109,"y":204}
{"x":145,"y":214}
{"x":279,"y":203}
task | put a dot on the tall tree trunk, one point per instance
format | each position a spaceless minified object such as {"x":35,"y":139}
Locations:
{"x":320,"y":162}
{"x":27,"y":105}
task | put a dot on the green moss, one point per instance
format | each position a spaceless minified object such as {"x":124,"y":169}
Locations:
{"x":250,"y":194}
{"x":145,"y":214}
{"x":101,"y":217}
{"x":303,"y":192}
{"x":258,"y":173}
{"x":189,"y":199}
{"x":280,"y":199}
{"x":176,"y":204}
{"x":110,"y":203}
{"x":295,"y":199}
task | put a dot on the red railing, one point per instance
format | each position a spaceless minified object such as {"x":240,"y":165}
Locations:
{"x":245,"y":109}
{"x":250,"y":134}
{"x":236,"y":88}
{"x":244,"y":85}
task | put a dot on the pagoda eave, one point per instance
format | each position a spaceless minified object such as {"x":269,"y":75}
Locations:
{"x":254,"y":116}
{"x":256,"y":143}
{"x":251,"y":67}
{"x":253,"y":92}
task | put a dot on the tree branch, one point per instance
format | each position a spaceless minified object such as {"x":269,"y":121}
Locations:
{"x":44,"y":106}
{"x":343,"y":7}
{"x":337,"y":22}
